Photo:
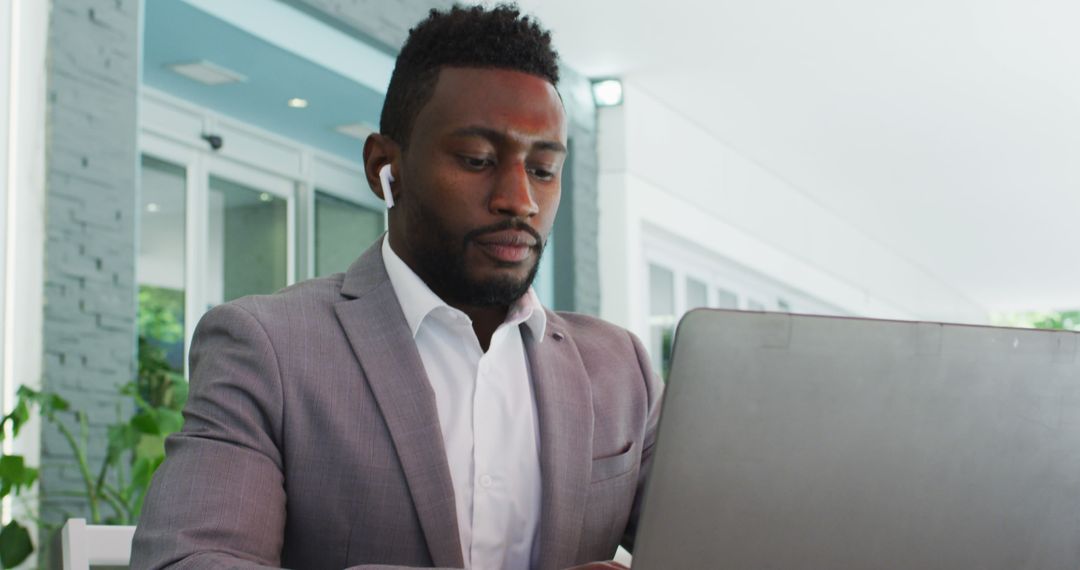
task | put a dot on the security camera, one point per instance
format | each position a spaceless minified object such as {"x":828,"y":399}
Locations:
{"x":215,"y":141}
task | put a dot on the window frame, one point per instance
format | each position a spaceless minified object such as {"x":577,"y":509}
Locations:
{"x":170,"y":129}
{"x":688,"y":260}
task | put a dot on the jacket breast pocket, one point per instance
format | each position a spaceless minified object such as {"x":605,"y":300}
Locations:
{"x":606,"y":468}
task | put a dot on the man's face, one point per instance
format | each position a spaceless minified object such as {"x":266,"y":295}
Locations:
{"x":480,"y":184}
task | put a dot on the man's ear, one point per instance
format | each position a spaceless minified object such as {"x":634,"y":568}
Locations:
{"x":380,"y":150}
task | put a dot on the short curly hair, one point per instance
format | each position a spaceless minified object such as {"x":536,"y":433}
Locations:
{"x":473,"y":36}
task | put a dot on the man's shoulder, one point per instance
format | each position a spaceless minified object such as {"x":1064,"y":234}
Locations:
{"x":312,"y":297}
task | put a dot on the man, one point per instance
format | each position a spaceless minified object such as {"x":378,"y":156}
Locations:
{"x":421,"y":409}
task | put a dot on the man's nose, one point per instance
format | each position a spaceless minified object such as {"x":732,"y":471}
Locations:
{"x":513,"y":194}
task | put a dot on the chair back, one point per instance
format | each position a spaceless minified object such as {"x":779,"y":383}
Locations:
{"x":86,"y":545}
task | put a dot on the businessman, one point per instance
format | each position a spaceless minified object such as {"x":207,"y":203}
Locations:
{"x":422,"y":409}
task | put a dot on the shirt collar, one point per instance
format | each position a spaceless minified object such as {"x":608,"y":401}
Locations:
{"x":418,"y":300}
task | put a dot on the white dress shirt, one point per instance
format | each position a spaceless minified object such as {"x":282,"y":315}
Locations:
{"x":487,"y":412}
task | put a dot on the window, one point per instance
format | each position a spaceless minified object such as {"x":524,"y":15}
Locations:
{"x":342,"y":231}
{"x":661,"y":316}
{"x":697,"y":294}
{"x":683,"y":276}
{"x":161,"y":279}
{"x":726,"y":299}
{"x":248,"y":242}
{"x":161,"y":266}
{"x":248,"y":219}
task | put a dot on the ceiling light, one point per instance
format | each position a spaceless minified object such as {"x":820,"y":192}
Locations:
{"x":207,"y":73}
{"x":297,"y":103}
{"x":153,"y":208}
{"x":356,"y":130}
{"x":265,"y":197}
{"x":607,"y":92}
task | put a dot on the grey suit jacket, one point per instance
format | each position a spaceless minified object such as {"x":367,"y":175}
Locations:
{"x":312,"y":440}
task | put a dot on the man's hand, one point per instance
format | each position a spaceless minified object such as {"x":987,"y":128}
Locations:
{"x":608,"y":565}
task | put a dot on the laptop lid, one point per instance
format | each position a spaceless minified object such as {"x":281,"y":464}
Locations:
{"x":790,"y":441}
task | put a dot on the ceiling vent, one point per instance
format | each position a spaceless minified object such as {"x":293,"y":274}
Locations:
{"x":207,"y":73}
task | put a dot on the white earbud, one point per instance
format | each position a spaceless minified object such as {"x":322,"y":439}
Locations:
{"x":385,"y":178}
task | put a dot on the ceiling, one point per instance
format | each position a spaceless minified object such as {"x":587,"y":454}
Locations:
{"x":181,"y":31}
{"x":947,"y":131}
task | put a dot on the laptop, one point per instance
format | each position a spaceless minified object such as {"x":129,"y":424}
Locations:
{"x":791,"y":441}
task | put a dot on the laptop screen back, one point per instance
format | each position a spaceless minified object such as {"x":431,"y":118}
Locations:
{"x":792,"y":441}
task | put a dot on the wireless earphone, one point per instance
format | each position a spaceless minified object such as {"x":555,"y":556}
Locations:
{"x":385,"y":178}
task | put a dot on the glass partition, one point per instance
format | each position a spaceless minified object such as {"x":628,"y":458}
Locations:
{"x":343,"y":230}
{"x":697,"y":294}
{"x":661,"y":316}
{"x":248,"y":241}
{"x":160,"y":272}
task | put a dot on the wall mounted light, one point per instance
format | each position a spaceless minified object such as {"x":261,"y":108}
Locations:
{"x":297,"y":103}
{"x":607,"y":92}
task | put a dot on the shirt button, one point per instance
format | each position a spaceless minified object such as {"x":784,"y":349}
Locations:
{"x":485,"y":481}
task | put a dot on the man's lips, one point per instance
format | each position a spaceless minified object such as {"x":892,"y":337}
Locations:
{"x":507,"y":246}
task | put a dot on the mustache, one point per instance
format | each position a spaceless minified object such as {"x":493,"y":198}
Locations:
{"x":511,"y":224}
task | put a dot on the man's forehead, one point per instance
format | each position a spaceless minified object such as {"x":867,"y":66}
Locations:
{"x":501,"y":99}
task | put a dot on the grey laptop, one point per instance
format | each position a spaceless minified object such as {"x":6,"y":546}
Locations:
{"x":792,"y":441}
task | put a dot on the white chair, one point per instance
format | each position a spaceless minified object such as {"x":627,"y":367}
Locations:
{"x":86,"y":545}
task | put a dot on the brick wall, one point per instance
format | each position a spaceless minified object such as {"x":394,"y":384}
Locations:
{"x":577,"y":282}
{"x":89,"y":312}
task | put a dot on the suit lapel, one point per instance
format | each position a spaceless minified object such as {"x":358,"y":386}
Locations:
{"x":380,"y":337}
{"x":564,"y":408}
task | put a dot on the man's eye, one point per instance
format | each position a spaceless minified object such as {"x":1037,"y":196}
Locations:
{"x":542,"y":173}
{"x":476,"y":163}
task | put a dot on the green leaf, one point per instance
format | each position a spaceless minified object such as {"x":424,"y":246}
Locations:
{"x":14,"y":474}
{"x":150,"y":447}
{"x":179,"y":392}
{"x":15,"y":545}
{"x":169,"y":421}
{"x":122,"y":437}
{"x":26,"y":392}
{"x":18,"y":417}
{"x":50,"y":403}
{"x":144,"y":469}
{"x":146,"y":422}
{"x":160,"y":421}
{"x":55,"y":402}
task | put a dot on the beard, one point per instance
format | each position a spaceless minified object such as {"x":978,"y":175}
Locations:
{"x":442,"y":259}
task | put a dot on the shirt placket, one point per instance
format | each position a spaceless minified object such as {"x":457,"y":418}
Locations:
{"x":489,"y":521}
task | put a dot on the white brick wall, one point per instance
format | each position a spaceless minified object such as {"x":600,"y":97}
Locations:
{"x":89,"y":289}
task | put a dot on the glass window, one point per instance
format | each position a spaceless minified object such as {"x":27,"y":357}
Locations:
{"x":161,"y":278}
{"x":248,"y":241}
{"x":661,"y":316}
{"x":726,"y":299}
{"x":697,"y":294}
{"x":754,"y":305}
{"x":343,"y":230}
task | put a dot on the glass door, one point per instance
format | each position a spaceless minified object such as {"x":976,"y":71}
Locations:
{"x":161,"y":266}
{"x":211,"y":230}
{"x":248,"y":241}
